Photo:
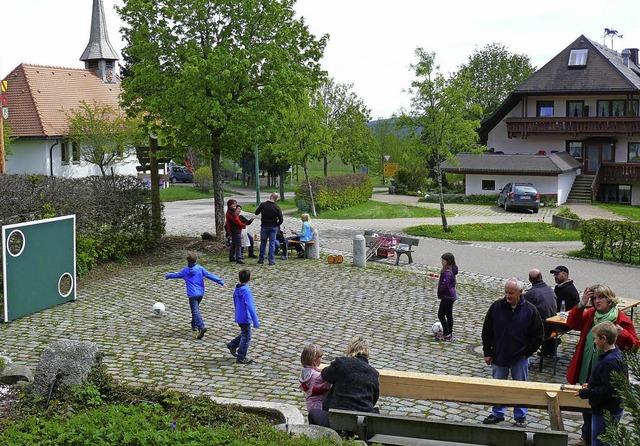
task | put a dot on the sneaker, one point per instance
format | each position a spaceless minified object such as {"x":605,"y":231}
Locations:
{"x":201,"y":333}
{"x":284,"y":257}
{"x":301,"y":255}
{"x":448,"y":338}
{"x":232,"y":350}
{"x":253,"y":256}
{"x":439,"y":337}
{"x":520,"y":422}
{"x":492,"y":419}
{"x":581,"y":442}
{"x":244,"y":361}
{"x":272,"y":263}
{"x":260,"y":262}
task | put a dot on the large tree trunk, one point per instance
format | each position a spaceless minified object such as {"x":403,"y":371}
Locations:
{"x":218,"y":194}
{"x":313,"y":203}
{"x":326,"y":168}
{"x":156,"y":207}
{"x":282,"y":179}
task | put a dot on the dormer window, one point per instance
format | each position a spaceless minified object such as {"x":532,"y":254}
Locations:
{"x":578,"y":58}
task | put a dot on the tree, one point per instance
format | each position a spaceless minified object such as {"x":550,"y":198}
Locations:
{"x":104,"y":134}
{"x":494,"y":72}
{"x":347,"y":117}
{"x":440,"y":118}
{"x":216,"y":73}
{"x":629,"y":390}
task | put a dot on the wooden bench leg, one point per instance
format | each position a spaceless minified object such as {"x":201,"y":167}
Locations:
{"x":555,"y":414}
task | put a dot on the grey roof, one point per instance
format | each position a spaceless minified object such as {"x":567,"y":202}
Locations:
{"x":99,"y":46}
{"x":531,"y":164}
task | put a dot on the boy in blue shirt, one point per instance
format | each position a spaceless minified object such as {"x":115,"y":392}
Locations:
{"x":193,"y":275}
{"x":245,"y":316}
{"x":599,"y":390}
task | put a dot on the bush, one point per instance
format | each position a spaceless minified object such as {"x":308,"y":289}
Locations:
{"x":336,"y":192}
{"x":113,"y":214}
{"x":411,"y":180}
{"x":203,"y":178}
{"x":566,"y":213}
{"x":612,"y":240}
{"x":434,"y":197}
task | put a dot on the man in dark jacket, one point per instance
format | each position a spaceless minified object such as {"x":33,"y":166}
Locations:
{"x":511,"y":333}
{"x":271,"y":219}
{"x":543,"y":298}
{"x":565,"y":289}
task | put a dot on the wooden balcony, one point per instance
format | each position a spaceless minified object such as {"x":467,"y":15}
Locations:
{"x":619,"y":173}
{"x":574,"y":127}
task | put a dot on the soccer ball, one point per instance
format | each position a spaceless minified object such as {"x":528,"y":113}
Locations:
{"x":159,"y":308}
{"x":436,"y":328}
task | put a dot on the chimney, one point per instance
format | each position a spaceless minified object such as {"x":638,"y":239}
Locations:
{"x":626,"y":54}
{"x":634,"y":55}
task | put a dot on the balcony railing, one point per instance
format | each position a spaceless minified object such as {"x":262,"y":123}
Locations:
{"x":603,"y":126}
{"x":619,"y":173}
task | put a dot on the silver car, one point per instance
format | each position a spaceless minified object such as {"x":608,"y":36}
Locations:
{"x":519,"y":196}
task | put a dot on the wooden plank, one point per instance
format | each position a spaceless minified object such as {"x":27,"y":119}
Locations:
{"x":555,"y":415}
{"x":464,"y":389}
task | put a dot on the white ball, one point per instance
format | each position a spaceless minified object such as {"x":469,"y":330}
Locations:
{"x":436,"y":328}
{"x":159,"y":308}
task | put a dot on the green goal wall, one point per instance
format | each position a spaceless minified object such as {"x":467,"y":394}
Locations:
{"x":38,"y":265}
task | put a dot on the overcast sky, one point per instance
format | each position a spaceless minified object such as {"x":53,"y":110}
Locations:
{"x":372,"y":42}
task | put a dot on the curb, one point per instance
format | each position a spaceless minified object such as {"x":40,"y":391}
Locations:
{"x":286,"y":413}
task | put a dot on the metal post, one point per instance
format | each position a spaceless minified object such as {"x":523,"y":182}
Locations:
{"x":257,"y":177}
{"x":2,"y":163}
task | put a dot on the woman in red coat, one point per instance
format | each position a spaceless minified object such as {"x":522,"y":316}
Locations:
{"x":605,"y":308}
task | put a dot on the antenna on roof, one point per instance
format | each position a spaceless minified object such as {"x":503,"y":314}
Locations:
{"x":611,"y":32}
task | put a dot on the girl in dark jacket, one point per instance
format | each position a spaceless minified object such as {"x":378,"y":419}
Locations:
{"x":234,"y":229}
{"x":447,"y":296}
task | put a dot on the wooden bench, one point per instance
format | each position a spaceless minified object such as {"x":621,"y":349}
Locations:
{"x":370,"y":240}
{"x":291,"y":243}
{"x":407,"y":430}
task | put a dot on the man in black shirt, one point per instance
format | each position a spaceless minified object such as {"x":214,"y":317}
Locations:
{"x":271,"y":219}
{"x":565,"y":290}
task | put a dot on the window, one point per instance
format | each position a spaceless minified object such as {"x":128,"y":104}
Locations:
{"x":488,"y":184}
{"x":76,"y":152}
{"x":545,"y":109}
{"x":634,"y":152}
{"x":633,"y":108}
{"x":575,"y":108}
{"x":624,"y":194}
{"x":64,"y":153}
{"x":575,"y":149}
{"x":611,"y":108}
{"x":578,"y":58}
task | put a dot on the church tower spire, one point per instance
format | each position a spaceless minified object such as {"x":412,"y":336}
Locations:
{"x":99,"y":55}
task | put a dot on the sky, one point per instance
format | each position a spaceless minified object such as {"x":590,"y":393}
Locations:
{"x":371,"y":42}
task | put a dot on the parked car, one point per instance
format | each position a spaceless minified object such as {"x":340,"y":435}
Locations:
{"x":519,"y":196}
{"x":180,"y":173}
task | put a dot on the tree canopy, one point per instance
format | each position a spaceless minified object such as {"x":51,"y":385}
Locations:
{"x":494,"y":72}
{"x":215,"y":74}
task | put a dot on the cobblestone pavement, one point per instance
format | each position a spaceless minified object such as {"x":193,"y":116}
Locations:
{"x":299,"y":302}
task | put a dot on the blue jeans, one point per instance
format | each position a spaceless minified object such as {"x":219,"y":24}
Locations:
{"x":196,"y":320}
{"x":598,"y":426}
{"x":268,"y":232}
{"x":242,"y":341}
{"x":519,"y":372}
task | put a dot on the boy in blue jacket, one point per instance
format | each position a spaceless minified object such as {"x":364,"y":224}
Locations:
{"x":599,"y":390}
{"x":245,"y":316}
{"x":193,"y":275}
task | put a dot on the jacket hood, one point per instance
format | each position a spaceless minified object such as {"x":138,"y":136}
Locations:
{"x":305,"y":375}
{"x":454,"y":270}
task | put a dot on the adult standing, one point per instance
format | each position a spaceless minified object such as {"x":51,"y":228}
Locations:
{"x":271,"y":219}
{"x":605,"y":308}
{"x":447,"y":295}
{"x":543,"y":298}
{"x":355,"y":383}
{"x":565,"y":290}
{"x":511,"y":333}
{"x":234,"y":230}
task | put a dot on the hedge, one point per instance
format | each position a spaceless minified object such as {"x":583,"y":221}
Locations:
{"x":612,"y":240}
{"x":335,"y":192}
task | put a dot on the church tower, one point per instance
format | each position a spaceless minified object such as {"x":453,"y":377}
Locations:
{"x":99,"y":55}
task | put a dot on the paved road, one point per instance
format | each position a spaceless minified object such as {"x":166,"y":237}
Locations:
{"x":298,"y":301}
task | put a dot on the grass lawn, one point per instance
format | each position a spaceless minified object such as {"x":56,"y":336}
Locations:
{"x":494,"y":232}
{"x":378,"y":210}
{"x":179,"y":193}
{"x":632,"y":212}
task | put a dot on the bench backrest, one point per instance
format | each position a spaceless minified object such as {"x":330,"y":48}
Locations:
{"x":412,"y":241}
{"x":368,"y":425}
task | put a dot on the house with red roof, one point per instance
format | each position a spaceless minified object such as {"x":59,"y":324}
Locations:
{"x":40,"y":98}
{"x":572,"y":129}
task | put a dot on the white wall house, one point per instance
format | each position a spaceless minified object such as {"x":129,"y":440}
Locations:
{"x":584,"y":104}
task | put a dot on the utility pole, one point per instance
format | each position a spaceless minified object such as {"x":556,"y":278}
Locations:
{"x":3,"y":105}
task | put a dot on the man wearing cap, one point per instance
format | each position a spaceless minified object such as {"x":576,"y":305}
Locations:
{"x":565,"y":289}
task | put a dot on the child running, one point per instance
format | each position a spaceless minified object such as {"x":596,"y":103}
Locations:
{"x":311,"y":382}
{"x":245,"y":316}
{"x":193,"y":275}
{"x":447,"y":296}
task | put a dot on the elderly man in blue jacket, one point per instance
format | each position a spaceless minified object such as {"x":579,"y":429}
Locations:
{"x":511,"y":333}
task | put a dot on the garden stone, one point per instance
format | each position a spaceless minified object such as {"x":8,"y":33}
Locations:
{"x":207,"y":236}
{"x":70,"y":361}
{"x":12,"y":373}
{"x":311,"y":431}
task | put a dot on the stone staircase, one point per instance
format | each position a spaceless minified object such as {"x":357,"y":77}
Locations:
{"x":581,"y":190}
